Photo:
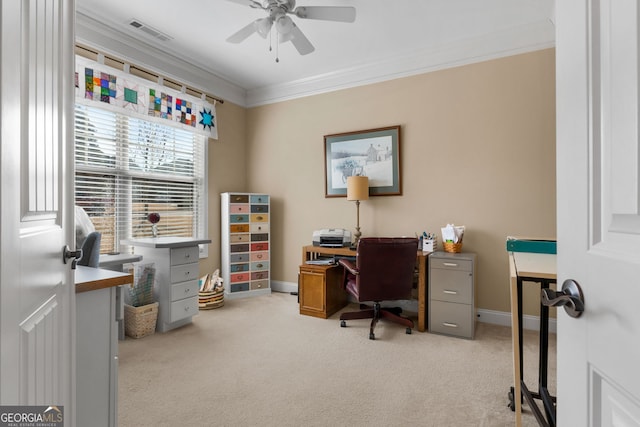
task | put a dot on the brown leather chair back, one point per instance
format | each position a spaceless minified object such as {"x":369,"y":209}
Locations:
{"x":386,"y":266}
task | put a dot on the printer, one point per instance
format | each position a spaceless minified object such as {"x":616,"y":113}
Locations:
{"x":332,"y":237}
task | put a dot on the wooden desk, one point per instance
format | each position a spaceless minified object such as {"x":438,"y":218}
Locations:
{"x":90,"y":279}
{"x":97,"y":345}
{"x":539,"y":268}
{"x":311,"y":252}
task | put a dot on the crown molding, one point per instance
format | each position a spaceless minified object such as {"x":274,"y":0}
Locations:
{"x":519,"y":40}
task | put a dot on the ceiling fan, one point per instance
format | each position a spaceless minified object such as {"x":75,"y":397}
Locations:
{"x":278,"y":11}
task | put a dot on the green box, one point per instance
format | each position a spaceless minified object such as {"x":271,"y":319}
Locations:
{"x":538,"y":246}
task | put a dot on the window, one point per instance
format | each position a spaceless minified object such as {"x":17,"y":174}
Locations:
{"x":127,"y":168}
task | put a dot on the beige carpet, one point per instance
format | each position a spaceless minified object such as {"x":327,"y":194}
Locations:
{"x":257,"y":362}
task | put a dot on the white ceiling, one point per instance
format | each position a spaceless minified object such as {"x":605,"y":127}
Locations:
{"x":389,"y":39}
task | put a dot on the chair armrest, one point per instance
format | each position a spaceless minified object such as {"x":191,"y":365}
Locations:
{"x":348,"y":265}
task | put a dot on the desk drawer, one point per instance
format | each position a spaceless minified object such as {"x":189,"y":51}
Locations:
{"x":451,"y":264}
{"x":182,"y":273}
{"x":184,"y":308}
{"x":451,"y":286}
{"x":184,"y":290}
{"x":184,"y":255}
{"x":451,"y":319}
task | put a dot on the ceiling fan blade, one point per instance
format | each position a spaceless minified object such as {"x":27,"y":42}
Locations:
{"x":245,"y":32}
{"x":301,"y":43}
{"x":327,"y":13}
{"x":250,"y":3}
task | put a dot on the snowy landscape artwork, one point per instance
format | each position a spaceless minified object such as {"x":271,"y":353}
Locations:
{"x":374,"y":154}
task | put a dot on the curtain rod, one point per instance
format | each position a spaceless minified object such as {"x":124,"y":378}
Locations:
{"x":111,"y":61}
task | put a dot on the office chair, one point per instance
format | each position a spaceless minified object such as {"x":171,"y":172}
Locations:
{"x":91,"y":250}
{"x":383,"y":271}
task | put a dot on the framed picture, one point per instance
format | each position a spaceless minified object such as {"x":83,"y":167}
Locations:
{"x":374,"y":153}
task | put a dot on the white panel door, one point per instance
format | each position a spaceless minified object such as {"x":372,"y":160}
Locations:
{"x":37,"y":292}
{"x":598,"y":161}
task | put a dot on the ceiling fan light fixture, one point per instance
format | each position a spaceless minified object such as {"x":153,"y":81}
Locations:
{"x":263,"y":26}
{"x":284,"y":24}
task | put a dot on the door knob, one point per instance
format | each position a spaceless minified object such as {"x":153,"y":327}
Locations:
{"x":68,"y":254}
{"x":570,"y":297}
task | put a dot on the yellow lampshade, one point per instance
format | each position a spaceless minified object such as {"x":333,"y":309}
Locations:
{"x":357,"y":188}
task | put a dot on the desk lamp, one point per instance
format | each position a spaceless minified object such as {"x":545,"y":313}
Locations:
{"x":357,"y":189}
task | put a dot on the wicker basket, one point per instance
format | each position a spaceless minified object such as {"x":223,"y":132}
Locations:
{"x":140,"y":321}
{"x":452,"y":247}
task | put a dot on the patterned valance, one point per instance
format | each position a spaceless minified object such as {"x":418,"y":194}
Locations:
{"x":117,"y":90}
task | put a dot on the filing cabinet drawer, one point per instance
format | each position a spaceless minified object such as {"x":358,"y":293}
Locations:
{"x":260,"y":265}
{"x":239,"y":287}
{"x":451,"y":264}
{"x":240,"y":247}
{"x":239,"y":257}
{"x":260,"y":217}
{"x":239,"y":228}
{"x":238,"y":268}
{"x":262,"y":246}
{"x":238,"y":218}
{"x":259,"y":198}
{"x":259,"y":256}
{"x":238,"y":198}
{"x":184,"y":255}
{"x":452,"y":319}
{"x":260,"y":275}
{"x":452,"y":286}
{"x":184,"y":308}
{"x":239,"y":238}
{"x":237,"y":209}
{"x":259,"y":284}
{"x":259,"y":227}
{"x":261,"y":237}
{"x":184,"y":290}
{"x":182,"y":273}
{"x":240,"y":277}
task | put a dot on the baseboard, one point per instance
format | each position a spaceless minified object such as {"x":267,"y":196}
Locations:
{"x":493,"y":317}
{"x":278,"y":286}
{"x":504,"y":319}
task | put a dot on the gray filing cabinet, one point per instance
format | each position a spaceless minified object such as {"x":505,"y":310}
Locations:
{"x":452,"y":293}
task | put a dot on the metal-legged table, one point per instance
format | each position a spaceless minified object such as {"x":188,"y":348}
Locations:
{"x":538,"y":268}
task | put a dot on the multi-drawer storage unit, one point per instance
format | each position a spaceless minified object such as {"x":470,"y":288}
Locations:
{"x":176,"y":261}
{"x":246,"y":247}
{"x":452,"y":293}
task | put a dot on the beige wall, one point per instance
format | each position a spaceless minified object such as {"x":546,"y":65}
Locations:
{"x":227,"y":172}
{"x":477,"y":149}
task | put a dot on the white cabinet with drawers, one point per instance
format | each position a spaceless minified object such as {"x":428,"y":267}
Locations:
{"x":452,"y":293}
{"x":176,"y":261}
{"x":246,"y":247}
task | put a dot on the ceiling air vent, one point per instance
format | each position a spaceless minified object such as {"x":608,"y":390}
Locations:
{"x":135,"y":23}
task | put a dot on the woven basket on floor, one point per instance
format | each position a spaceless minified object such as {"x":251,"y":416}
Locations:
{"x":452,"y":247}
{"x":140,"y":321}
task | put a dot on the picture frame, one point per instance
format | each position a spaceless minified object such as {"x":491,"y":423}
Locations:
{"x":374,"y":153}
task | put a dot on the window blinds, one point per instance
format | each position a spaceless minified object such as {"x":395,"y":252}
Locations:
{"x":127,"y":167}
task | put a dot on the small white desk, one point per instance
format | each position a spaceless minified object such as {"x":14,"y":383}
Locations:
{"x":176,"y":261}
{"x":539,"y":268}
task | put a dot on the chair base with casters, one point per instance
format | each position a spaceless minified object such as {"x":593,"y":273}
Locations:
{"x":376,"y":313}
